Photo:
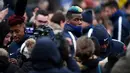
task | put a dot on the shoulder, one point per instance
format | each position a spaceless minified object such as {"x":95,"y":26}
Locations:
{"x":13,"y":45}
{"x":118,"y":46}
{"x":116,"y":42}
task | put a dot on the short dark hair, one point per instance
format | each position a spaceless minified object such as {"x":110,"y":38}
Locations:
{"x":42,"y":12}
{"x":15,"y":20}
{"x":112,"y":4}
{"x":58,"y":17}
{"x":73,"y":10}
{"x":127,"y":4}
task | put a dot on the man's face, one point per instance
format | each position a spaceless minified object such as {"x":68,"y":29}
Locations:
{"x":18,"y":32}
{"x":76,"y":19}
{"x":108,"y":11}
{"x":7,"y":39}
{"x":42,"y":20}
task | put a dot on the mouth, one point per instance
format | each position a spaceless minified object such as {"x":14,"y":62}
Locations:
{"x":16,"y":39}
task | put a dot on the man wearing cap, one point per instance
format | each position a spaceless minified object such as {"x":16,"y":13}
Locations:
{"x":108,"y":45}
{"x":72,"y":28}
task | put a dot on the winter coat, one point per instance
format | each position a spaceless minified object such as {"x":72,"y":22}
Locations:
{"x":72,"y":32}
{"x":46,"y":58}
{"x":125,"y":26}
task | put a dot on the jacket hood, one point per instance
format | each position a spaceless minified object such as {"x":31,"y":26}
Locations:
{"x":101,"y":34}
{"x":116,"y":15}
{"x":76,"y":30}
{"x":45,"y":54}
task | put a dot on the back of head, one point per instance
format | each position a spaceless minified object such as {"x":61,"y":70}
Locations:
{"x":45,"y":51}
{"x":85,"y":48}
{"x":3,"y":52}
{"x":58,"y":17}
{"x":87,"y":16}
{"x":73,"y":10}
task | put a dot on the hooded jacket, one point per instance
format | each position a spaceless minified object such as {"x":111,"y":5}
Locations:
{"x":46,"y":58}
{"x":114,"y":46}
{"x":125,"y":25}
{"x":72,"y":32}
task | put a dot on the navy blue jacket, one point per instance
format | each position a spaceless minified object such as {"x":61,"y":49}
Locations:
{"x":75,"y":30}
{"x":125,"y":25}
{"x":92,"y":66}
{"x":115,"y":48}
{"x":14,"y":47}
{"x":46,"y":58}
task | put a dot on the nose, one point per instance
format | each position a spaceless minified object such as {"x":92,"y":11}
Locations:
{"x":14,"y":34}
{"x":80,"y":22}
{"x":9,"y":39}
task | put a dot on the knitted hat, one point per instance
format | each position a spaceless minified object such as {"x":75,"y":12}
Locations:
{"x":87,"y":16}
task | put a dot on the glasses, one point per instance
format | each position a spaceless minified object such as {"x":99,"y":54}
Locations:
{"x":40,"y":21}
{"x":78,"y":19}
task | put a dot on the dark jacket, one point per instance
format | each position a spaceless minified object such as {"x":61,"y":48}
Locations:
{"x":114,"y":46}
{"x":46,"y":59}
{"x":6,"y":67}
{"x":125,"y":25}
{"x":14,"y":47}
{"x":26,"y":67}
{"x":76,"y":32}
{"x":92,"y":66}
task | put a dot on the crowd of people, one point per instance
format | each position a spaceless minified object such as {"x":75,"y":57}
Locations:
{"x":88,"y":36}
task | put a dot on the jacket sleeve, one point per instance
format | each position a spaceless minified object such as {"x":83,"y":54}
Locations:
{"x":72,"y":65}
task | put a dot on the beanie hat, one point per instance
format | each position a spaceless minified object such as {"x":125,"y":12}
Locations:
{"x":87,"y":16}
{"x":75,"y":9}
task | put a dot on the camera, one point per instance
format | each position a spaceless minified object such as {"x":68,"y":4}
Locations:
{"x":42,"y":30}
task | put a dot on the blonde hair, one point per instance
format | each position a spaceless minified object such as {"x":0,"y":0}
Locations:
{"x":3,"y":52}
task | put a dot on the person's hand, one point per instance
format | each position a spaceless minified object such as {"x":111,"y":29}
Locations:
{"x":13,"y":61}
{"x":3,"y":13}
